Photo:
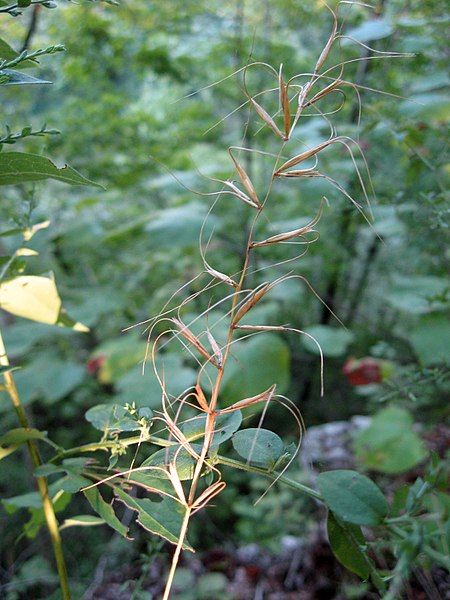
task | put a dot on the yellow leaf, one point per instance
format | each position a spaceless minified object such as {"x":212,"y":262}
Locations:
{"x":31,"y":297}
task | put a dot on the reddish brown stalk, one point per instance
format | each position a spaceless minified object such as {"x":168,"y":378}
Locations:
{"x":192,"y":339}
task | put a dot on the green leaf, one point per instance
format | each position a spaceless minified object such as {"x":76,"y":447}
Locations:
{"x":353,"y":498}
{"x":82,"y":521}
{"x":430,"y":338}
{"x":47,"y":469}
{"x":37,"y":519}
{"x":414,"y":294}
{"x":177,"y":227}
{"x":73,"y":482}
{"x":121,"y":354}
{"x":111,"y":417}
{"x":226,"y":426}
{"x":31,"y":499}
{"x":11,"y":440}
{"x":144,"y":389}
{"x":6,"y":52}
{"x":161,"y":518}
{"x":375,"y":29}
{"x":18,"y":167}
{"x":389,"y":444}
{"x":333,"y":341}
{"x":13,"y":77}
{"x":49,"y":378}
{"x":346,"y":541}
{"x":105,"y":511}
{"x":185,"y":463}
{"x":258,"y":446}
{"x":255,"y":365}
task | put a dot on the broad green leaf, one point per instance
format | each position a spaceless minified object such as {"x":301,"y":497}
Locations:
{"x":11,"y":440}
{"x":334,"y":341}
{"x":82,"y":521}
{"x":255,"y":365}
{"x":144,"y":389}
{"x":120,"y":355}
{"x":73,"y":482}
{"x":353,"y":498}
{"x":430,"y":338}
{"x":434,"y":106}
{"x":375,"y":29}
{"x":226,"y":426}
{"x":111,"y":417}
{"x":21,"y":435}
{"x":178,"y":227}
{"x":31,"y":499}
{"x":48,"y":378}
{"x":389,"y":444}
{"x":47,"y":469}
{"x":161,"y":518}
{"x":105,"y":511}
{"x":13,"y":77}
{"x":19,"y":167}
{"x":185,"y":463}
{"x":258,"y":446}
{"x":21,"y":336}
{"x":346,"y":541}
{"x":6,"y":52}
{"x":37,"y":518}
{"x":416,"y":294}
{"x":31,"y":297}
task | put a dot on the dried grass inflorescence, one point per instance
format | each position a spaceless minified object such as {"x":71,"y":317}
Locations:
{"x":296,"y":96}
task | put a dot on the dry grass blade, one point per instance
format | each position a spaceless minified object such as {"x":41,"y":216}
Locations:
{"x":206,"y":497}
{"x":267,"y":119}
{"x":201,"y":399}
{"x":221,"y":276}
{"x":284,"y":103}
{"x":240,"y":194}
{"x":216,"y":348}
{"x":262,"y":397}
{"x":246,"y":181}
{"x":253,"y":298}
{"x":300,"y":173}
{"x":326,"y":50}
{"x":288,"y":235}
{"x":299,"y":158}
{"x":192,"y":339}
{"x":175,"y":481}
{"x":326,"y":90}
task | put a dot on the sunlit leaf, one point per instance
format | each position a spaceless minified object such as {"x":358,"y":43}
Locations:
{"x":352,"y":497}
{"x":258,"y":446}
{"x":18,"y":167}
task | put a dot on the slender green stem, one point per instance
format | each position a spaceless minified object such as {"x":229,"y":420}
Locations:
{"x":432,"y":554}
{"x":47,"y":504}
{"x":230,"y":462}
{"x":219,"y":459}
